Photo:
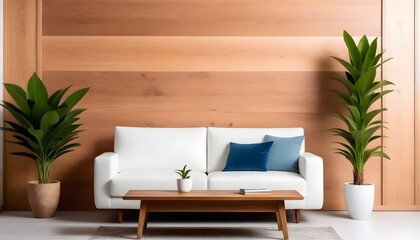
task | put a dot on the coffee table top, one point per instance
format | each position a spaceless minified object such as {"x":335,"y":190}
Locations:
{"x":215,"y":195}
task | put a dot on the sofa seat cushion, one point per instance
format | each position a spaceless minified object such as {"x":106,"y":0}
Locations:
{"x":152,"y":180}
{"x":274,"y":180}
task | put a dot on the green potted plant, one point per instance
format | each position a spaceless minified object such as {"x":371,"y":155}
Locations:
{"x":184,"y":183}
{"x":44,"y":127}
{"x":362,"y":122}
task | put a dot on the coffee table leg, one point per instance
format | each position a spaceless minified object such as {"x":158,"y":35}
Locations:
{"x":281,"y":212}
{"x":278,"y":220}
{"x":146,"y":220}
{"x":142,"y":218}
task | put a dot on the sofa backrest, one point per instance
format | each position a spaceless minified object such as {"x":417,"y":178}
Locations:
{"x":160,"y":148}
{"x":219,"y":139}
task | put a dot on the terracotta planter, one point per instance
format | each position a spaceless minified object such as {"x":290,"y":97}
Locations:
{"x":43,"y":198}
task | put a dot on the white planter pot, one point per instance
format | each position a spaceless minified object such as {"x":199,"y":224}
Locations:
{"x":359,"y":200}
{"x":184,"y":185}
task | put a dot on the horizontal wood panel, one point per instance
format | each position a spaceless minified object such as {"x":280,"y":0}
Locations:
{"x":185,"y":63}
{"x":191,"y":53}
{"x":211,"y":18}
{"x":254,"y":92}
{"x":221,"y":99}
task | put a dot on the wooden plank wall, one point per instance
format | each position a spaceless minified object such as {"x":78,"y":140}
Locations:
{"x":417,"y":103}
{"x":186,"y":63}
{"x":398,"y":39}
{"x":20,"y":39}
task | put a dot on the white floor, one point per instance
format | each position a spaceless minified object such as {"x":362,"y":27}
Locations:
{"x":82,"y":225}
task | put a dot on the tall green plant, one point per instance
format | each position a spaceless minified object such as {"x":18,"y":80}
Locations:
{"x":45,"y":125}
{"x":362,"y":91}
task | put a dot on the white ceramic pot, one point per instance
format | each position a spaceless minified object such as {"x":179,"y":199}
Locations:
{"x":184,"y":185}
{"x":359,"y":200}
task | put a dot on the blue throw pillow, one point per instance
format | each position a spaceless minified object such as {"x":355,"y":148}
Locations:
{"x":248,"y":157}
{"x":284,"y":153}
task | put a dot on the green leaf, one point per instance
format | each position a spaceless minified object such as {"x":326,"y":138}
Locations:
{"x":346,"y":154}
{"x":62,"y":153}
{"x":19,"y":96}
{"x":352,"y":70}
{"x":27,"y":142}
{"x":38,"y":134}
{"x":380,"y":64}
{"x":364,"y":105}
{"x":349,"y":148}
{"x":20,"y":116}
{"x":54,"y":100}
{"x":365,"y":81}
{"x":75,"y":113}
{"x":381,"y":154}
{"x":363,"y":47}
{"x":75,"y":97}
{"x":345,"y":82}
{"x":370,"y":55}
{"x":381,"y":94}
{"x":356,"y":115}
{"x":40,"y":108}
{"x":24,"y":154}
{"x":374,"y":138}
{"x":351,"y":124}
{"x":353,"y":50}
{"x":344,"y":97}
{"x":370,"y":115}
{"x":344,"y":134}
{"x":36,"y":89}
{"x":375,"y":60}
{"x":377,"y":85}
{"x":49,"y":118}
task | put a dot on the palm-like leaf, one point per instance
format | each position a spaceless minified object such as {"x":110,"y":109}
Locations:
{"x":362,"y":91}
{"x":184,"y":173}
{"x":45,"y":126}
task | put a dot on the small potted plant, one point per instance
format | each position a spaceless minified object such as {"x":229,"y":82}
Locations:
{"x":184,"y":183}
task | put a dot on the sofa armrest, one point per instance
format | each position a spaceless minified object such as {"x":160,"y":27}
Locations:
{"x":311,"y":168}
{"x":106,"y":167}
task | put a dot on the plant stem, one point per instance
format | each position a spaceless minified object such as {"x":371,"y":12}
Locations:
{"x":358,"y":178}
{"x":44,"y":169}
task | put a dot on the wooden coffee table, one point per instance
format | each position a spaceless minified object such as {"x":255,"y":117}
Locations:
{"x":211,"y":201}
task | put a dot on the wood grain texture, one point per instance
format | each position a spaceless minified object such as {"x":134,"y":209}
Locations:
{"x":247,"y":99}
{"x":76,"y":53}
{"x":396,"y":208}
{"x":210,"y":195}
{"x":417,"y":105}
{"x":212,"y":206}
{"x":142,"y":219}
{"x":19,"y":64}
{"x":398,"y":35}
{"x":211,"y":18}
{"x":237,"y":63}
{"x":39,"y":37}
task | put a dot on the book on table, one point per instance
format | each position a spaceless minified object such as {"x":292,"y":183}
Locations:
{"x":254,"y":190}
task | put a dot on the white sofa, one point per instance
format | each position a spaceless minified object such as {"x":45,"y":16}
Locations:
{"x":145,"y":159}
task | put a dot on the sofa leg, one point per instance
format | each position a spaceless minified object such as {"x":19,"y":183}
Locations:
{"x":120,"y":216}
{"x":297,"y":215}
